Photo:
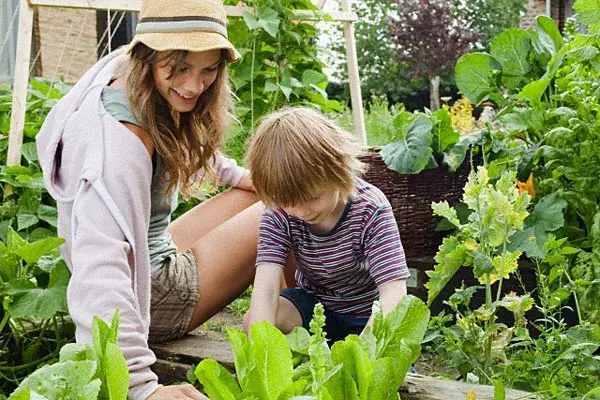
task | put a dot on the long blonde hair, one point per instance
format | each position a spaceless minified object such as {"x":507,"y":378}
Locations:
{"x":188,"y":141}
{"x":296,"y":152}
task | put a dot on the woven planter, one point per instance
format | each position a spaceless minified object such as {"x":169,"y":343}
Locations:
{"x":411,"y":197}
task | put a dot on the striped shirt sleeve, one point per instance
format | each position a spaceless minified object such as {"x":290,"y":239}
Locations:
{"x":273,"y":239}
{"x":383,"y":249}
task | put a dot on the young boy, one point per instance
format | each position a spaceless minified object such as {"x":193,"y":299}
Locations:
{"x":339,"y":228}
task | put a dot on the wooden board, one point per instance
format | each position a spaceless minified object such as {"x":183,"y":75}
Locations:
{"x":176,"y":357}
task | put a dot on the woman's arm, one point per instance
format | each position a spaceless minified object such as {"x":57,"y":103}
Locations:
{"x":265,"y":295}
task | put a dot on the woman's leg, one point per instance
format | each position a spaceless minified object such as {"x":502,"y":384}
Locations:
{"x":222,"y":232}
{"x":207,"y":215}
{"x":225,"y":259}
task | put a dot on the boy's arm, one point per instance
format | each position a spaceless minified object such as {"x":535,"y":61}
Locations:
{"x":390,"y":294}
{"x":265,"y":295}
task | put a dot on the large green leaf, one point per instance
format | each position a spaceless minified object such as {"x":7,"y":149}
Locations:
{"x":407,"y":323}
{"x":411,"y":154}
{"x":77,"y":352}
{"x":33,"y":302}
{"x":241,"y":358}
{"x":449,"y":258}
{"x":455,"y":156}
{"x":387,"y":377}
{"x":548,"y":33}
{"x":511,"y":49}
{"x":534,"y":90}
{"x":116,"y":372}
{"x":474,"y":76}
{"x":218,"y":383}
{"x":547,"y":216}
{"x":272,"y":359}
{"x":32,"y":252}
{"x":48,"y":214}
{"x":444,"y":136}
{"x":588,"y":12}
{"x":66,"y":380}
{"x":299,"y":340}
{"x":27,"y":394}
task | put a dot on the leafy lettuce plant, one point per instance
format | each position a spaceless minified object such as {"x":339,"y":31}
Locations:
{"x":83,"y":372}
{"x":371,"y":366}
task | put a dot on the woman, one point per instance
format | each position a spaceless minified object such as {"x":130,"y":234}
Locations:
{"x":138,"y":128}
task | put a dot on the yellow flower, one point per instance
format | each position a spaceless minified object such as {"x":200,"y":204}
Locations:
{"x":526,"y":186}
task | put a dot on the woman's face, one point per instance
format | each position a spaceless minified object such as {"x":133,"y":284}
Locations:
{"x":182,"y":88}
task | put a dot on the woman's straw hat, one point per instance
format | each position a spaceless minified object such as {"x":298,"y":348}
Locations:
{"x":193,"y":25}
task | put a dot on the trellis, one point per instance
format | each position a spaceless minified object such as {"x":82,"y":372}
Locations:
{"x":23,"y":55}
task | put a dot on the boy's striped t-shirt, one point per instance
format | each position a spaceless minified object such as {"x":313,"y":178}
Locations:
{"x":341,"y":268}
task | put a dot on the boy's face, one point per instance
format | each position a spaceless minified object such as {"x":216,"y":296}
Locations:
{"x":326,"y":207}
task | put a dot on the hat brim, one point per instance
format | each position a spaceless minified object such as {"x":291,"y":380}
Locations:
{"x":190,"y":41}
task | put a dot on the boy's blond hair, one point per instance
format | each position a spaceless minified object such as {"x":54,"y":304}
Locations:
{"x":296,"y":152}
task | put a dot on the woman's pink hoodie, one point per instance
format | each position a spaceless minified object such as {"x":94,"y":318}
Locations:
{"x":100,"y":173}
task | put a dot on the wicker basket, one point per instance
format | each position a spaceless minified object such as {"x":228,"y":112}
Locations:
{"x":411,"y":197}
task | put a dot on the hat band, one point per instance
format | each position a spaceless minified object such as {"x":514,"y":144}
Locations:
{"x":179,"y":26}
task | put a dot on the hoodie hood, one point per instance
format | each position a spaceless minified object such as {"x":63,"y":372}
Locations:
{"x":52,"y":136}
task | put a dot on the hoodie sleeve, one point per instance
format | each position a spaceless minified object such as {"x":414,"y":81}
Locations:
{"x":101,"y":282}
{"x":226,"y":169}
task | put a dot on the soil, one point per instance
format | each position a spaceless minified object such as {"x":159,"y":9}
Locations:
{"x":216,"y":327}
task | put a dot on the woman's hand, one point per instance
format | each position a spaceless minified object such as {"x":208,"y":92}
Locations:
{"x":177,"y":392}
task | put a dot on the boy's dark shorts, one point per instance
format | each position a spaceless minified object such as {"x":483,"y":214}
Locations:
{"x":337,"y":325}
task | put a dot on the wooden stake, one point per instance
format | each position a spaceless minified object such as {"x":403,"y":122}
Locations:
{"x":354,"y":80}
{"x":21,"y":80}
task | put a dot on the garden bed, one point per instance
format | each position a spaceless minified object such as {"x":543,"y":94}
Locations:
{"x":175,"y":358}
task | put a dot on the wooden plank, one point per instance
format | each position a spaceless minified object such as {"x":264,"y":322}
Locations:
{"x":20,"y":83}
{"x":175,"y":358}
{"x":192,"y":349}
{"x":134,"y":5}
{"x":354,"y":80}
{"x":170,"y":371}
{"x":419,"y":387}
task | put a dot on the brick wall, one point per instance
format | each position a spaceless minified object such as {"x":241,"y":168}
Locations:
{"x":538,"y":7}
{"x":67,"y":39}
{"x":532,"y":10}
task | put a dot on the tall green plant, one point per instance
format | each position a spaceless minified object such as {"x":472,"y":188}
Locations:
{"x":33,"y":286}
{"x":547,"y":88}
{"x":498,"y":211}
{"x":279,"y":62}
{"x":27,"y":207}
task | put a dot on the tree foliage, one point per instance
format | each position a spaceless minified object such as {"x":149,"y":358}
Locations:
{"x":430,"y":36}
{"x":382,"y":73}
